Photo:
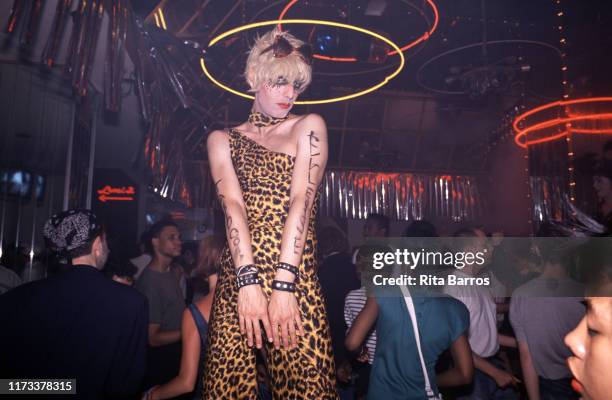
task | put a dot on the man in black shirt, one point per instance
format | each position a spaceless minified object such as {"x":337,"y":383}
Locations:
{"x":77,"y":324}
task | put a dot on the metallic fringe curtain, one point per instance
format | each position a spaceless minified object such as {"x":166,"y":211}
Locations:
{"x":401,"y":196}
{"x":548,"y":195}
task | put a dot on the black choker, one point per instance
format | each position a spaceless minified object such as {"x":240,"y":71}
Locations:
{"x":261,"y":120}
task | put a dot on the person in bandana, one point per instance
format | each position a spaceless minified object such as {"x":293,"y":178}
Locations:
{"x":77,"y":324}
{"x":267,"y":172}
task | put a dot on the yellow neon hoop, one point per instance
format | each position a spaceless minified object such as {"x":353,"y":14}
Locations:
{"x":315,"y":22}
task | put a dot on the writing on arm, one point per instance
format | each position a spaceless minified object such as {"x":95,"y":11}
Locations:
{"x":314,"y":166}
{"x":233,"y":235}
{"x":230,"y":197}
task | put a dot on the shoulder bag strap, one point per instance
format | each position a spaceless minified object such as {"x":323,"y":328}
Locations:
{"x":415,"y":328}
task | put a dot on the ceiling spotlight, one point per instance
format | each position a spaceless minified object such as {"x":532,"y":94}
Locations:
{"x":327,"y":42}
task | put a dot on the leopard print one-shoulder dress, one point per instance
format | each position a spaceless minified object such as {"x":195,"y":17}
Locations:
{"x":308,"y":371}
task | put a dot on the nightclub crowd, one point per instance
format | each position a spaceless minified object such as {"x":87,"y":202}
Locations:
{"x":138,"y":327}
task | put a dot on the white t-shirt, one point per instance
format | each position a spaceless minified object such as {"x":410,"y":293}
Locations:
{"x":483,"y":327}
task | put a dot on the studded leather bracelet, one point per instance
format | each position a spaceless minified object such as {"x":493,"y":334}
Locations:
{"x":288,"y":267}
{"x":248,"y":279}
{"x":246,"y":269}
{"x":283,"y":286}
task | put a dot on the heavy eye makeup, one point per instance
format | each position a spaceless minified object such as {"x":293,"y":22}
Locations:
{"x":280,"y":81}
{"x":298,"y":86}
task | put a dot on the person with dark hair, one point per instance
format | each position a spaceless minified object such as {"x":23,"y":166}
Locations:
{"x":194,"y":329}
{"x":491,"y":380}
{"x":337,"y":276}
{"x":398,"y":372}
{"x":542,"y":312}
{"x":166,"y":302}
{"x":591,"y":341}
{"x":376,"y":225}
{"x":189,"y":257}
{"x":208,"y":256}
{"x":421,"y":229}
{"x":77,"y":324}
{"x":183,"y":266}
{"x":354,"y":302}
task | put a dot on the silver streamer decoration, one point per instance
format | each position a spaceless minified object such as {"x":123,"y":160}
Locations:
{"x":547,"y":194}
{"x":402,"y":196}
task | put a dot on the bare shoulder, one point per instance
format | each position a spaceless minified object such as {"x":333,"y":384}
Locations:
{"x":218,"y":145}
{"x":308,"y":125}
{"x":188,"y":322}
{"x":311,"y":122}
{"x":217,"y":138}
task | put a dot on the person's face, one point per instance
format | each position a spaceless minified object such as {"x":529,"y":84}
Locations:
{"x":477,"y":244}
{"x":372,"y":229}
{"x":189,"y":258}
{"x":168,"y":243}
{"x":591,"y":343}
{"x":485,"y":245}
{"x":276,"y":98}
{"x":602,"y":186}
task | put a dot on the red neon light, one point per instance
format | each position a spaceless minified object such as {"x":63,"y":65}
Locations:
{"x":109,"y":193}
{"x":410,"y":45}
{"x":568,"y":124}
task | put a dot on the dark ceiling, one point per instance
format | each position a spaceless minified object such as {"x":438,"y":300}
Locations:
{"x":585,"y":25}
{"x":453,"y":100}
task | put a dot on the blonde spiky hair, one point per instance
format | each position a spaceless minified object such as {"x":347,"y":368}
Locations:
{"x":262,"y":68}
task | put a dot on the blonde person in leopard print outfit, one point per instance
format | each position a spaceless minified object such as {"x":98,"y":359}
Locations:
{"x":267,"y":173}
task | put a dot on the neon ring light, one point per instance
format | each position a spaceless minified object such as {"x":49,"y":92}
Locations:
{"x":553,"y":121}
{"x":314,"y":22}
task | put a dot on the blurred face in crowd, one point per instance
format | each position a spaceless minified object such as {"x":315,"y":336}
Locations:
{"x":373,"y":229}
{"x":476,"y":244}
{"x":591,"y":343}
{"x":168,"y":243}
{"x":603,"y":187}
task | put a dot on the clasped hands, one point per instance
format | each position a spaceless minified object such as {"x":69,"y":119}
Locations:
{"x":280,"y":317}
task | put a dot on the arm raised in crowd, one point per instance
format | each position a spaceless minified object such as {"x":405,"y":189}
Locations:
{"x":309,"y":167}
{"x":252,"y":303}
